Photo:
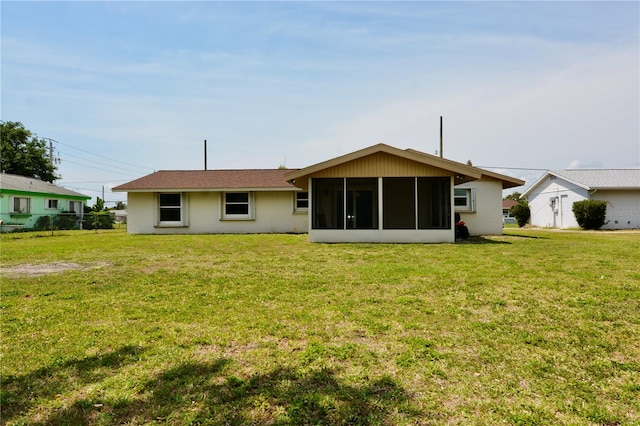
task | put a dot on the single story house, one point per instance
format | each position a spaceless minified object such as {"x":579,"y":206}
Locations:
{"x":215,"y":201}
{"x":23,"y":200}
{"x":552,"y":196}
{"x":377,"y":194}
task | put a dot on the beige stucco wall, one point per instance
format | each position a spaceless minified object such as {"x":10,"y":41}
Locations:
{"x":487,"y":219}
{"x":273,"y":213}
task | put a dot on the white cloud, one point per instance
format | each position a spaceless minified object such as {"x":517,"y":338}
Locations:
{"x":588,"y":108}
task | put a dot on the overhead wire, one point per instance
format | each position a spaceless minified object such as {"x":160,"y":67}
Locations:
{"x":107,"y":165}
{"x":104,"y":166}
{"x":98,"y":168}
{"x":94,"y":181}
{"x":512,"y":168}
{"x":99,"y":155}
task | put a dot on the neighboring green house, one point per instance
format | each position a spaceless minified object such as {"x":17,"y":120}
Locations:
{"x":24,"y":200}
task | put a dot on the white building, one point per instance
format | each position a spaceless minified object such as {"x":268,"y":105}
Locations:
{"x":551,"y":198}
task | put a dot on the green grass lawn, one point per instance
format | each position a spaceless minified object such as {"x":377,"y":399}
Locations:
{"x":528,"y":328}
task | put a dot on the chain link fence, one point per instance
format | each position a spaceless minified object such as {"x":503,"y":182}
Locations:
{"x":58,"y":221}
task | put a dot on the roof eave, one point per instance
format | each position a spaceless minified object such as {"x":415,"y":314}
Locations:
{"x":225,"y":189}
{"x":614,"y":188}
{"x":75,"y":195}
{"x":509,"y":184}
{"x":507,"y":181}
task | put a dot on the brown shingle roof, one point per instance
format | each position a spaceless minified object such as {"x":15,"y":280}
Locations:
{"x":249,"y":179}
{"x":507,"y":204}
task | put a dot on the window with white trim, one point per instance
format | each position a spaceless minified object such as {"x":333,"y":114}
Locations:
{"x":302,"y":201}
{"x":171,"y":209}
{"x":237,"y":205}
{"x":464,"y":199}
{"x":52,"y":204}
{"x":21,"y":205}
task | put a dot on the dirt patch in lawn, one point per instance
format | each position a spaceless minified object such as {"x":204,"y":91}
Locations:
{"x":35,"y":270}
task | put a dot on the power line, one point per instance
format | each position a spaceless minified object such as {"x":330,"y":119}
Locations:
{"x":96,"y":181}
{"x":512,"y":168}
{"x":98,"y":155}
{"x":106,"y":165}
{"x":98,"y":168}
{"x":76,"y":188}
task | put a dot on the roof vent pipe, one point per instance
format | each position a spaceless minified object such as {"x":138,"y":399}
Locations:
{"x":205,"y":154}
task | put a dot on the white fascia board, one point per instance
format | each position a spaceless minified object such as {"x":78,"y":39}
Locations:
{"x":535,"y":184}
{"x":571,"y":181}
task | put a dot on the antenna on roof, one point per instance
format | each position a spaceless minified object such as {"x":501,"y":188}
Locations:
{"x":441,"y":140}
{"x":205,"y":154}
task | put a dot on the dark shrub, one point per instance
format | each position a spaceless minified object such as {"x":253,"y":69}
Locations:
{"x":590,"y":214}
{"x":66,"y":220}
{"x":61,"y":221}
{"x":42,"y":224}
{"x":99,"y":220}
{"x":521,"y":212}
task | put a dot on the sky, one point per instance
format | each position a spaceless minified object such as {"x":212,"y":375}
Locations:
{"x":126,"y":88}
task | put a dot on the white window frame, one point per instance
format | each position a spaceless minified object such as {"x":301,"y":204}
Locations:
{"x":182,"y":208}
{"x":298,"y":198}
{"x":48,"y":202}
{"x":250,"y":215}
{"x":470,"y":200}
{"x":22,"y":210}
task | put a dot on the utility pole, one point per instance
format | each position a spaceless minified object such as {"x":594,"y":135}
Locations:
{"x":54,"y":160}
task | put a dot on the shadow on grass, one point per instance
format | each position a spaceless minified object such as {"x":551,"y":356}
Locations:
{"x":19,"y":394}
{"x":481,"y":240}
{"x":200,"y":393}
{"x":535,"y":237}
